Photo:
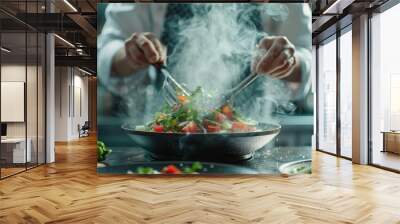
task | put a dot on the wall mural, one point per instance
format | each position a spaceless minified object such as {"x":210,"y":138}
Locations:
{"x":204,"y":88}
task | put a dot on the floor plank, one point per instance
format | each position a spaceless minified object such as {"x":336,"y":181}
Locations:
{"x":70,"y":191}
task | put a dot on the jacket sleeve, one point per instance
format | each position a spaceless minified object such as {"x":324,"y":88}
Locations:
{"x":299,"y":32}
{"x":294,"y":22}
{"x":302,"y":41}
{"x":120,"y":24}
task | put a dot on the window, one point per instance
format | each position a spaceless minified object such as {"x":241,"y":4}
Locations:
{"x":327,"y":96}
{"x":346,"y":93}
{"x":22,"y":76}
{"x":385,"y":89}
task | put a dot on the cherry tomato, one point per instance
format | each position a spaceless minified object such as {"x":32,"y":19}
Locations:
{"x":191,"y":127}
{"x":182,"y":99}
{"x":227,"y":111}
{"x":213,"y":128}
{"x":158,"y":128}
{"x":171,"y":169}
{"x":239,"y":126}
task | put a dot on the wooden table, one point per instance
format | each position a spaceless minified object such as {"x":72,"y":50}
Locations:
{"x":13,"y":150}
{"x":391,"y":141}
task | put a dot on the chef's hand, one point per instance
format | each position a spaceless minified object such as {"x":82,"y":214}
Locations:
{"x":275,"y":56}
{"x":140,"y":50}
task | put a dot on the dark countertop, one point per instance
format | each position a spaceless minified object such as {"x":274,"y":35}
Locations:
{"x":294,"y":144}
{"x":266,"y":160}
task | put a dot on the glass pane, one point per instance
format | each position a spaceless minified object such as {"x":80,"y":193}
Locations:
{"x":13,"y":86}
{"x":41,"y":99}
{"x":23,"y":80}
{"x":327,"y":97}
{"x":346,"y":94}
{"x":386,"y":89}
{"x":31,"y":98}
{"x":32,"y":87}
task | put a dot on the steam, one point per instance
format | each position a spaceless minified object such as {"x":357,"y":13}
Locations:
{"x":218,"y":46}
{"x":215,"y":51}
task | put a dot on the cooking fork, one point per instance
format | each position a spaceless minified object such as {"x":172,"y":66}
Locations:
{"x":171,"y":88}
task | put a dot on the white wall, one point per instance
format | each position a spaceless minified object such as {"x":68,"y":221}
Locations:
{"x":80,"y":97}
{"x":34,"y":125}
{"x":70,"y":83}
{"x":9,"y":73}
{"x":16,"y":73}
{"x":61,"y":104}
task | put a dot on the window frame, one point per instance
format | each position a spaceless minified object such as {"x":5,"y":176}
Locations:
{"x":379,"y":10}
{"x":334,"y":37}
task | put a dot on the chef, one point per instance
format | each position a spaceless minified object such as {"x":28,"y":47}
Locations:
{"x":136,"y":36}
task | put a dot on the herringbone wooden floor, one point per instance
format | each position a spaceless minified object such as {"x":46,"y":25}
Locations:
{"x":70,"y":191}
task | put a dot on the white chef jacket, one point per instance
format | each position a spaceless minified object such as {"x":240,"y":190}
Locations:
{"x":123,"y":19}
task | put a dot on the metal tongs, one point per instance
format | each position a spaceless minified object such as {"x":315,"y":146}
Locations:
{"x":282,"y":107}
{"x":171,"y":88}
{"x":228,"y":97}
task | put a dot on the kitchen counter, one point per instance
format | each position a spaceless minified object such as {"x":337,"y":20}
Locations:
{"x":266,"y":160}
{"x":294,"y":143}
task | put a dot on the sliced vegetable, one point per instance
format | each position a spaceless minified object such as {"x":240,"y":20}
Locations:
{"x":188,"y":170}
{"x":190,"y":116}
{"x":195,"y":168}
{"x":140,"y":128}
{"x":158,"y":128}
{"x":213,"y":128}
{"x":145,"y":170}
{"x":238,"y":126}
{"x":171,"y":169}
{"x":226,"y":125}
{"x":219,"y":117}
{"x":227,"y":110}
{"x":191,"y":127}
{"x":182,"y":99}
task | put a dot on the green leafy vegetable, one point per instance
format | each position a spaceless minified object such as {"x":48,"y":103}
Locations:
{"x":102,"y":151}
{"x":301,"y":169}
{"x":190,"y":115}
{"x":145,"y":170}
{"x":195,"y":168}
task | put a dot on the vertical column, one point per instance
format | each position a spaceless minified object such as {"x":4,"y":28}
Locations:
{"x":92,"y":100}
{"x":360,"y":90}
{"x":50,"y":92}
{"x":338,"y":77}
{"x":314,"y":91}
{"x":50,"y":99}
